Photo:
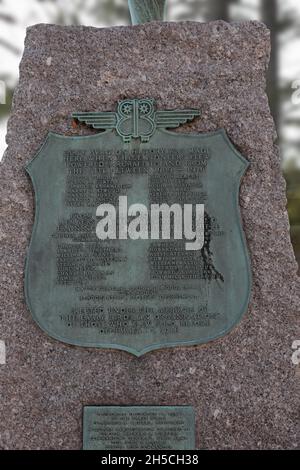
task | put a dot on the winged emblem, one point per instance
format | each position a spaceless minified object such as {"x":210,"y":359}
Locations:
{"x":136,"y":119}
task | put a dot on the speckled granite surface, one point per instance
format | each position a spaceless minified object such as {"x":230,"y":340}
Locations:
{"x":244,"y":386}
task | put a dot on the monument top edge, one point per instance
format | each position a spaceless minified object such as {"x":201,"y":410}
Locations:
{"x":245,"y":26}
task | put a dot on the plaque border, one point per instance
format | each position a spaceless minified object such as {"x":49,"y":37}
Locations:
{"x":119,"y":347}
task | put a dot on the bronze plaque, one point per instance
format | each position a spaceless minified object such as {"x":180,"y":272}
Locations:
{"x":137,"y":242}
{"x":138,"y":427}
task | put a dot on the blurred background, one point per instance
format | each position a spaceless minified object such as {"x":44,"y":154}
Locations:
{"x":283,"y":18}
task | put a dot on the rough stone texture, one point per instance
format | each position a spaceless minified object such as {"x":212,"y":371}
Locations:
{"x":243,"y":386}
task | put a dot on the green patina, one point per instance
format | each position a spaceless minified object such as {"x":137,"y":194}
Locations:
{"x":136,"y":294}
{"x":137,"y":119}
{"x":139,"y":428}
{"x":143,"y":11}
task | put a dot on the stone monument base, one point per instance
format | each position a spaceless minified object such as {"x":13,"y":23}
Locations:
{"x":242,"y":386}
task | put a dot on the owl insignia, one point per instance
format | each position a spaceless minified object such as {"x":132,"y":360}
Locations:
{"x":136,"y":118}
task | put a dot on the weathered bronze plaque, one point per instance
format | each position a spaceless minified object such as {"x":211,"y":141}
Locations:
{"x":137,"y":242}
{"x":138,"y":427}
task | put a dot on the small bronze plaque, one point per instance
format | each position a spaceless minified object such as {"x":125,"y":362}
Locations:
{"x":138,"y":427}
{"x":137,"y":242}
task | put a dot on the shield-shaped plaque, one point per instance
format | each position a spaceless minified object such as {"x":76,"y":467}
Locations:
{"x":137,"y":242}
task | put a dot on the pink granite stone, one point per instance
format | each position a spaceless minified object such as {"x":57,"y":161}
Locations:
{"x":244,"y":387}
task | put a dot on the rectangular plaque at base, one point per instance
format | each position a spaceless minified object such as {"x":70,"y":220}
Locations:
{"x":138,"y":428}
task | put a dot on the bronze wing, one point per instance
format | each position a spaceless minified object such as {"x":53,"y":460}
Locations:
{"x":106,"y":120}
{"x":174,"y":118}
